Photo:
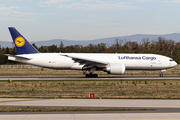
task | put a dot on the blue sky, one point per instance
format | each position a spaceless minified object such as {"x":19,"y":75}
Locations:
{"x":41,"y":20}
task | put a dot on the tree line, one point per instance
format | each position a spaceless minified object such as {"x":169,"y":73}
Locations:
{"x":160,"y":46}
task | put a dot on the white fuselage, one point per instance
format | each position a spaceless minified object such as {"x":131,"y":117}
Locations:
{"x":131,"y":61}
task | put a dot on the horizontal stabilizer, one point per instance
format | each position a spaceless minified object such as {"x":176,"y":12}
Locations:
{"x":18,"y":57}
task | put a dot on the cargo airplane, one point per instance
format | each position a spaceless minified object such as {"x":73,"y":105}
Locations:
{"x":112,"y":63}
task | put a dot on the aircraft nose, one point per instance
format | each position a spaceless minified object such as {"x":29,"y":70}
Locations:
{"x":172,"y":64}
{"x":175,"y":63}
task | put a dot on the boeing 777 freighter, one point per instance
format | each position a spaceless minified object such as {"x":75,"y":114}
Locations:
{"x":111,"y":63}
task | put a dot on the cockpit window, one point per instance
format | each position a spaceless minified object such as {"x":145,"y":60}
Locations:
{"x":171,"y":60}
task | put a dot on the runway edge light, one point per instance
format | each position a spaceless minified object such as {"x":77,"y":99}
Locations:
{"x":9,"y":80}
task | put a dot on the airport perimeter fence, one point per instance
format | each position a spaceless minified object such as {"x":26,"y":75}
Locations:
{"x":31,"y":66}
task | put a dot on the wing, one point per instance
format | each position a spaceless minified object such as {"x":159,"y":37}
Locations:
{"x":88,"y":63}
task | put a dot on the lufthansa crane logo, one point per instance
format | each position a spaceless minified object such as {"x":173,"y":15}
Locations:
{"x":19,"y":41}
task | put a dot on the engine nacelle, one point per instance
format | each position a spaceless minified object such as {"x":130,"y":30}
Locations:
{"x":116,"y":69}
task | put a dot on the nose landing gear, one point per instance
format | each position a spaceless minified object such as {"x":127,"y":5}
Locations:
{"x":161,"y":74}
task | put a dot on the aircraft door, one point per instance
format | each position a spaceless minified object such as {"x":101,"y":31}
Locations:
{"x":159,"y":60}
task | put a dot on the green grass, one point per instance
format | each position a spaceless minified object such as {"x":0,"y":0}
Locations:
{"x":164,"y":89}
{"x":44,"y":72}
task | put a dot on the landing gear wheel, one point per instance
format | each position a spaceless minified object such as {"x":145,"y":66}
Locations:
{"x":161,"y":73}
{"x":91,"y":75}
{"x":87,"y":76}
{"x":95,"y":75}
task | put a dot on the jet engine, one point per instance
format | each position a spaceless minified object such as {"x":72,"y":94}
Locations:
{"x":116,"y":69}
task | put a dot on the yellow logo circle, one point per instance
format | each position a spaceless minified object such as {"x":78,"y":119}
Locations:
{"x":19,"y":41}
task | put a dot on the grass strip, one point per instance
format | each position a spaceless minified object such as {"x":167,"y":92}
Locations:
{"x":116,"y":89}
{"x":37,"y":109}
{"x":44,"y":72}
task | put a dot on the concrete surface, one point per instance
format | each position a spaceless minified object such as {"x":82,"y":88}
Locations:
{"x":160,"y":103}
{"x":121,"y":116}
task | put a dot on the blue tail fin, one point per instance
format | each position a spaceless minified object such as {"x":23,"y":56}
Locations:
{"x":21,"y":44}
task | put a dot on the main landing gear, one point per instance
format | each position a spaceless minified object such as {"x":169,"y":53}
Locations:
{"x":91,"y":75}
{"x":161,"y":74}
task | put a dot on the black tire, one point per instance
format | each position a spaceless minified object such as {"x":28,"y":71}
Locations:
{"x":161,"y":75}
{"x":91,"y":75}
{"x":87,"y":75}
{"x":95,"y":75}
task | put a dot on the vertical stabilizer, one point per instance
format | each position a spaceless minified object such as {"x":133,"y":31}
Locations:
{"x":21,"y":44}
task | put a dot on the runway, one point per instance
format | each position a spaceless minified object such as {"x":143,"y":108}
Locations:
{"x":164,"y":109}
{"x":121,"y":116}
{"x":148,"y":103}
{"x":83,"y":78}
